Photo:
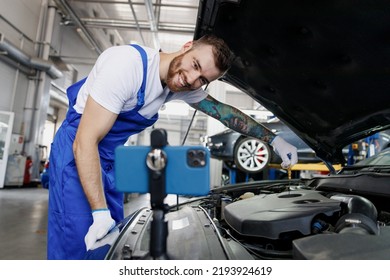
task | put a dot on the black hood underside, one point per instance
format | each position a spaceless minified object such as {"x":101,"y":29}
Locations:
{"x":322,"y":67}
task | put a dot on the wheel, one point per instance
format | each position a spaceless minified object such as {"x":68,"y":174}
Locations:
{"x":251,"y":155}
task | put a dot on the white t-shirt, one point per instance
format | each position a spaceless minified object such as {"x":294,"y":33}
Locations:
{"x":117,"y":76}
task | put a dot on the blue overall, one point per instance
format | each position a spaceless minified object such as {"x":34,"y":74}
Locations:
{"x":69,"y":211}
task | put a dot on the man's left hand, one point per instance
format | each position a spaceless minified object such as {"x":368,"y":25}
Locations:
{"x":286,"y":151}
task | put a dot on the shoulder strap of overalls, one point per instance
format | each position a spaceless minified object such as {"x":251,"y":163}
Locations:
{"x":141,"y":92}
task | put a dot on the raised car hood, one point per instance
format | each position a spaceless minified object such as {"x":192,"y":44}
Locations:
{"x":322,"y":67}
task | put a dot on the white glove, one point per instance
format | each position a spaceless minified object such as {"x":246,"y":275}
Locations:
{"x":109,"y":239}
{"x":102,"y":224}
{"x":286,"y":151}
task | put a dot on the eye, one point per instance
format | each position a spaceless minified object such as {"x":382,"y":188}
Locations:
{"x":195,"y":65}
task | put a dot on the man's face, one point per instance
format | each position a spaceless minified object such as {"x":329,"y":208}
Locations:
{"x":192,"y":69}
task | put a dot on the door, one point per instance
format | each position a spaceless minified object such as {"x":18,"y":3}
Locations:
{"x":6,"y":124}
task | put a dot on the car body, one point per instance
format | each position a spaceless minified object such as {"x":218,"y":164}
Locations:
{"x":321,"y":67}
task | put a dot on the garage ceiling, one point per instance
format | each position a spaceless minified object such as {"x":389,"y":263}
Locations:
{"x":165,"y":24}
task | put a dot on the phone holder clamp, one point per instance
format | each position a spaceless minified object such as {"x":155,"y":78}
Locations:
{"x":156,"y":161}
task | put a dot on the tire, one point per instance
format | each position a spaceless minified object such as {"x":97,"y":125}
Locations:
{"x":251,"y":155}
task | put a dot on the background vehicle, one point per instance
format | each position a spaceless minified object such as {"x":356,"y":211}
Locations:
{"x":253,"y":155}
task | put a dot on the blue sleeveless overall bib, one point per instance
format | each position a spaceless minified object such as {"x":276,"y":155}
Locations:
{"x":69,"y":211}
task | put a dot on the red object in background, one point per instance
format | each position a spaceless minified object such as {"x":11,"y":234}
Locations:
{"x":27,"y":171}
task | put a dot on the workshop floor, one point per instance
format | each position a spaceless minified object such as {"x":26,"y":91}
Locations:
{"x":23,"y":221}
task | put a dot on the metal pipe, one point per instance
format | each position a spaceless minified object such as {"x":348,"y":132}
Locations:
{"x":59,"y":98}
{"x":23,"y":58}
{"x":46,"y":66}
{"x":42,"y":97}
{"x":157,"y":13}
{"x":14,"y":64}
{"x":153,"y":23}
{"x":136,"y":21}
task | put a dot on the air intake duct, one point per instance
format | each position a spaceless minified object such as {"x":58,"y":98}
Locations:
{"x":361,"y":217}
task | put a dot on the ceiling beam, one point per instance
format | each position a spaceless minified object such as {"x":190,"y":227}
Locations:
{"x":137,"y":3}
{"x":63,"y":5}
{"x":131,"y":24}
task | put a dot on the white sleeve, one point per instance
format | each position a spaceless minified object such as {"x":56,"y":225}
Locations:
{"x":188,"y":96}
{"x":115,"y":78}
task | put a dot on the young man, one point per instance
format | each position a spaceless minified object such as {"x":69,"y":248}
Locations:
{"x":121,"y":97}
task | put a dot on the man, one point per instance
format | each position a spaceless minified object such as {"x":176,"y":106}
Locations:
{"x":120,"y":97}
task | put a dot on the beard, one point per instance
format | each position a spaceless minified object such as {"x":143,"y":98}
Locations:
{"x":173,"y":70}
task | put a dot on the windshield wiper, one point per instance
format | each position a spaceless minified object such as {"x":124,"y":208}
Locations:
{"x":368,"y":168}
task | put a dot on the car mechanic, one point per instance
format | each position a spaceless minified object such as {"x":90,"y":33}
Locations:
{"x":121,"y":97}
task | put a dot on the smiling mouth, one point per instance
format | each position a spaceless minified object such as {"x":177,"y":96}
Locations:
{"x":182,"y":81}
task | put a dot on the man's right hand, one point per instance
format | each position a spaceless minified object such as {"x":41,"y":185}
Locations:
{"x":102,"y":224}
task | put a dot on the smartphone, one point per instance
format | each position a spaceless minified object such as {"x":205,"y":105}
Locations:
{"x":187,"y":170}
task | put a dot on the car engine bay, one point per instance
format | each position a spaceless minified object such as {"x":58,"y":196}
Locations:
{"x":319,"y":218}
{"x":295,"y":221}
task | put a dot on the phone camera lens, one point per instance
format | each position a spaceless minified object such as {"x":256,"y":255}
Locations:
{"x":191,"y":153}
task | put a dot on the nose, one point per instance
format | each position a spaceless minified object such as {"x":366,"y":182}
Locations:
{"x":192,"y":78}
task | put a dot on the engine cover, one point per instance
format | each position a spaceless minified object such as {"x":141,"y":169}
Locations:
{"x":271,"y":215}
{"x":191,"y":236}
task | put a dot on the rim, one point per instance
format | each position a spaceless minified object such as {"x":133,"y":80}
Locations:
{"x":252,"y":155}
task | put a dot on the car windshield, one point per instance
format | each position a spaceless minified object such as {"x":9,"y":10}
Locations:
{"x":383,"y":158}
{"x":379,"y":163}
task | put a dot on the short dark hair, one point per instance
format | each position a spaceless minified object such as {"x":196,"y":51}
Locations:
{"x":223,"y":56}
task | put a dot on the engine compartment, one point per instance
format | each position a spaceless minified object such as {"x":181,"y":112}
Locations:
{"x":285,"y":220}
{"x":322,"y":218}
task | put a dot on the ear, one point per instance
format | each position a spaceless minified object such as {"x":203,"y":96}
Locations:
{"x":186,"y":46}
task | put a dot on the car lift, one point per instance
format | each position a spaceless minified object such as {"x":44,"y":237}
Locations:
{"x":273,"y":169}
{"x":319,"y":167}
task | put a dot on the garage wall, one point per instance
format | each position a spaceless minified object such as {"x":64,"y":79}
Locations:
{"x":26,"y":91}
{"x":239,"y":99}
{"x":7,"y":81}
